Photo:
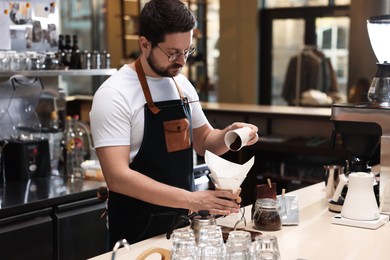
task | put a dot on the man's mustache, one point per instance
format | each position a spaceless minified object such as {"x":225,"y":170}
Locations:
{"x":176,"y":66}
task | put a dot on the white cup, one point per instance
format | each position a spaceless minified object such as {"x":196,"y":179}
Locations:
{"x":236,"y":139}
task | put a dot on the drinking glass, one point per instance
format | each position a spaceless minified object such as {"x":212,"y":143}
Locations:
{"x":238,"y":245}
{"x":6,"y":59}
{"x":183,"y":245}
{"x":266,"y":248}
{"x":211,"y":246}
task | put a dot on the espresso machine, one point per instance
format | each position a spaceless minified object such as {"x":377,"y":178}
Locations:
{"x":365,"y":127}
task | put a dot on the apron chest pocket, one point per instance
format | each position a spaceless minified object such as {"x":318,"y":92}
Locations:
{"x":177,"y":134}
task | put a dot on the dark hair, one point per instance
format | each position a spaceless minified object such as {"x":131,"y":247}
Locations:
{"x":161,"y":17}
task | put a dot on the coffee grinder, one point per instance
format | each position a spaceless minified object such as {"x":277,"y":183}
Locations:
{"x":365,"y":127}
{"x":24,"y":153}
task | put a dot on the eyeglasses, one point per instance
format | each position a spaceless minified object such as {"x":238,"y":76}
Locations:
{"x":173,"y":57}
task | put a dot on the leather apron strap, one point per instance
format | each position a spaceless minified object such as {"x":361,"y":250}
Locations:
{"x":144,"y":85}
{"x":145,"y":88}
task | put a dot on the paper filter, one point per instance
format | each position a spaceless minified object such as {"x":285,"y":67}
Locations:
{"x":225,"y":174}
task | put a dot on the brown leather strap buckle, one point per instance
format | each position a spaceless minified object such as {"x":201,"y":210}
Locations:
{"x":102,"y":193}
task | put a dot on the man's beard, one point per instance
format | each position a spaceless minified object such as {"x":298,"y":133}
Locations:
{"x":161,"y":71}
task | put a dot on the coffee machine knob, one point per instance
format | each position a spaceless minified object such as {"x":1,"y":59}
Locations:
{"x":33,"y":167}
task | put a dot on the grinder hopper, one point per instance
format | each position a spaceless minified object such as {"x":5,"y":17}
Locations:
{"x":23,"y":103}
{"x":6,"y":125}
{"x":19,"y":97}
{"x":24,"y":154}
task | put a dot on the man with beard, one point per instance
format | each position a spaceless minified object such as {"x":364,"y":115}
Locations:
{"x":146,"y":120}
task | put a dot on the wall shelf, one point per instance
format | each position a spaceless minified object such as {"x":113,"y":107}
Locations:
{"x":52,"y":73}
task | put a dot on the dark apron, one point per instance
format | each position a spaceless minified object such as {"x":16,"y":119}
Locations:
{"x":165,"y":155}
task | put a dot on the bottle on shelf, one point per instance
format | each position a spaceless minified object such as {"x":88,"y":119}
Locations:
{"x":61,"y":51}
{"x":75,"y":45}
{"x":68,"y":43}
{"x":75,"y":56}
{"x":85,"y":60}
{"x":67,"y":53}
{"x":55,"y":138}
{"x":105,"y":58}
{"x":72,"y":146}
{"x":95,"y":60}
{"x":61,"y":108}
{"x":61,"y":44}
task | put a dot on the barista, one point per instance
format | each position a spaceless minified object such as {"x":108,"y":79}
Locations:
{"x":146,"y":120}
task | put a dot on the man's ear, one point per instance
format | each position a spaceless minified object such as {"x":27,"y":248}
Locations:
{"x":144,"y":44}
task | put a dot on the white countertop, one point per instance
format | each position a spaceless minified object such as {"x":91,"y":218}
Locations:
{"x":314,"y":238}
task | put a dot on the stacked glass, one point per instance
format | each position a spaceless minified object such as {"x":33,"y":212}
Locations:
{"x":238,"y":246}
{"x":183,"y":245}
{"x":266,"y":248}
{"x":211,"y":246}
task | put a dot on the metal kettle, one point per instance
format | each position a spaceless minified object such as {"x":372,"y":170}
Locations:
{"x":203,"y":218}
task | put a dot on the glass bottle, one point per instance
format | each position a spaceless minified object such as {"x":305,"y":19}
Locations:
{"x":68,"y":42}
{"x":67,"y":53}
{"x":55,"y":139}
{"x":61,"y":51}
{"x":75,"y":56}
{"x":75,"y":46}
{"x":72,"y":151}
{"x":61,"y":45}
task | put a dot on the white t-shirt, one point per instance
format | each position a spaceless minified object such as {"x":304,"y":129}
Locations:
{"x":117,"y":114}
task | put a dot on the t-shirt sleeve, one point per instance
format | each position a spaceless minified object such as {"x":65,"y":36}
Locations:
{"x":110,"y":118}
{"x":198,"y":117}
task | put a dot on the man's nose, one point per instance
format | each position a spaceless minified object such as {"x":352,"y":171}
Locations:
{"x":182,"y":59}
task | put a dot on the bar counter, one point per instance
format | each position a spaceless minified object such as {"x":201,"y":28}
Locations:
{"x":51,"y":218}
{"x":19,"y":197}
{"x":314,"y":238}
